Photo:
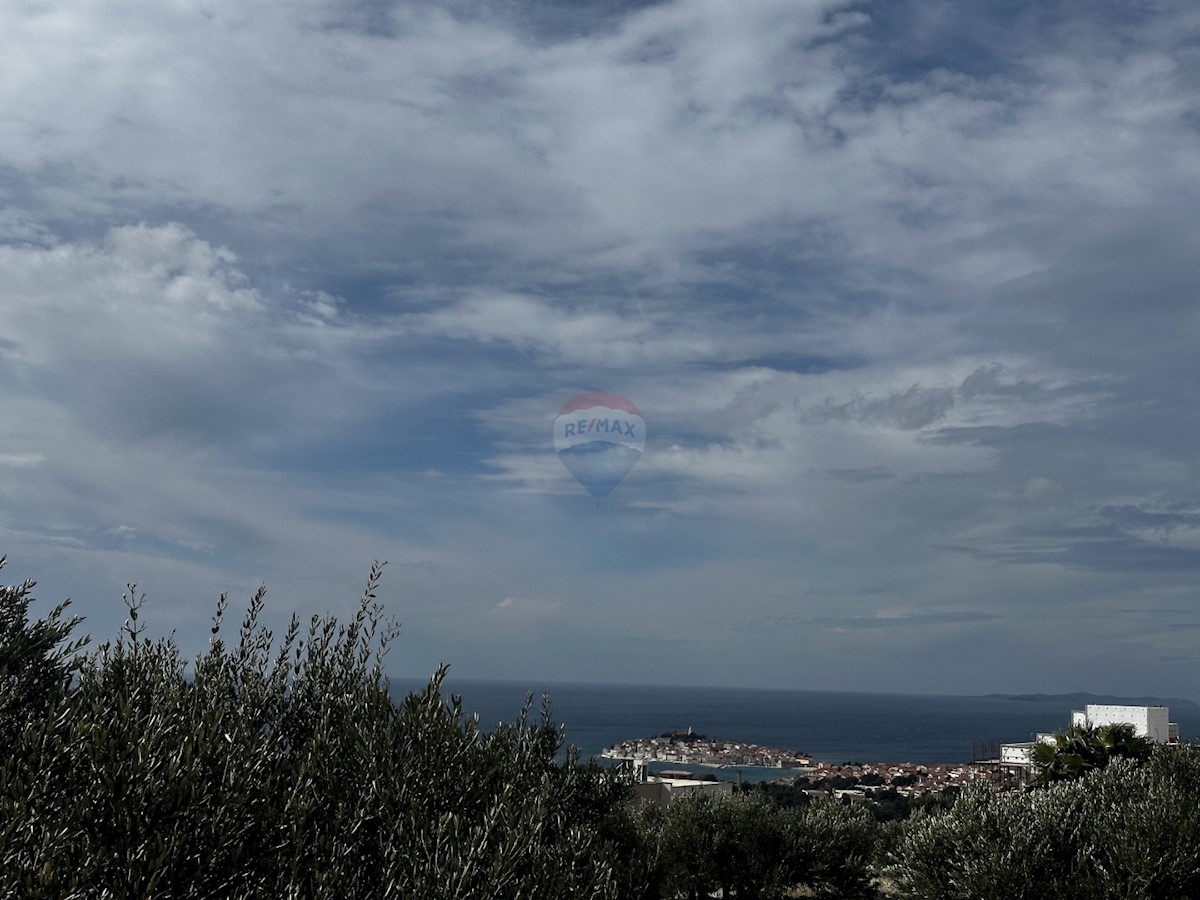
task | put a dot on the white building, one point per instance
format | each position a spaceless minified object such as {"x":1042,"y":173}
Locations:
{"x":668,"y":786}
{"x":656,"y":789}
{"x":1147,"y":721}
{"x":1021,"y":753}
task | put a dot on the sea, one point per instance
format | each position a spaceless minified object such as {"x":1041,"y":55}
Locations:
{"x":832,"y":726}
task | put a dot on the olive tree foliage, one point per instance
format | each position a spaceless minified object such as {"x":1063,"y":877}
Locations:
{"x":37,"y":659}
{"x":285,"y":769}
{"x":1130,"y":829}
{"x":748,"y":847}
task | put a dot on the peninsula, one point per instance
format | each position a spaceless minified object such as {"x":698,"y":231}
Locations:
{"x":696,"y":749}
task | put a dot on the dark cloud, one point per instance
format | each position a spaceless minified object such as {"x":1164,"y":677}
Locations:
{"x":988,"y":381}
{"x":1178,"y":514}
{"x":913,"y":408}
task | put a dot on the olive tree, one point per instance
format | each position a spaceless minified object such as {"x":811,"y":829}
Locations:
{"x":285,"y":768}
{"x":37,"y":659}
{"x":1130,"y":829}
{"x":745,"y":846}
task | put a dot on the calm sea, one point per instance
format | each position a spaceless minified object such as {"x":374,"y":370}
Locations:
{"x":832,"y":726}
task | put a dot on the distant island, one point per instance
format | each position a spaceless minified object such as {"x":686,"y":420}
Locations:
{"x":1084,"y":698}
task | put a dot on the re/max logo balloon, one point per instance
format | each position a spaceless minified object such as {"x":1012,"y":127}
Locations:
{"x":599,"y":436}
{"x":583,"y":426}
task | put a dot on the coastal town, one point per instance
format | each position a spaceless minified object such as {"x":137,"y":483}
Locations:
{"x":851,"y":781}
{"x":863,"y":780}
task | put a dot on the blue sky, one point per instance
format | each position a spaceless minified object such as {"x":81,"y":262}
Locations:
{"x":906,"y":292}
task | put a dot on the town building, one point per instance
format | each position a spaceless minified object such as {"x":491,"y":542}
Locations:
{"x":668,"y":786}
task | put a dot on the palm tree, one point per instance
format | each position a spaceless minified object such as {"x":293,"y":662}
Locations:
{"x":1120,"y":739}
{"x":1081,"y":749}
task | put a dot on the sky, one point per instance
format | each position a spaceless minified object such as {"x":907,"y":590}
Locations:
{"x":906,"y":293}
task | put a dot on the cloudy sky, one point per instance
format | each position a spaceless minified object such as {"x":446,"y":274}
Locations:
{"x":906,"y":291}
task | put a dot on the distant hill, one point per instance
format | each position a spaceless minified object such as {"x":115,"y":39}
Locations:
{"x":1083,"y":699}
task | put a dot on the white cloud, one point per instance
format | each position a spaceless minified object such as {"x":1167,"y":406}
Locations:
{"x":591,"y":336}
{"x":150,"y":333}
{"x":525,"y":606}
{"x":21,"y":460}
